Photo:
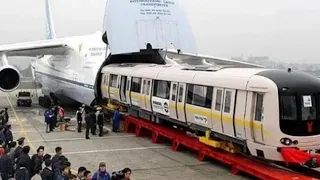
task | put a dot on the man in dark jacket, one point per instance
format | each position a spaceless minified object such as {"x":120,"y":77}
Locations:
{"x":8,"y":134}
{"x":2,"y":135}
{"x":37,"y":160}
{"x":25,"y":158}
{"x":89,"y":118}
{"x":18,"y":150}
{"x":94,"y":123}
{"x":56,"y":158}
{"x":116,"y":120}
{"x":47,"y":173}
{"x":100,"y":118}
{"x":64,"y":172}
{"x":6,"y":166}
{"x":22,"y":172}
{"x":6,"y":116}
{"x":79,"y":119}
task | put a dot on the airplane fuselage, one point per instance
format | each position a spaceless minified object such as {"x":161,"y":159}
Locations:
{"x":71,"y":77}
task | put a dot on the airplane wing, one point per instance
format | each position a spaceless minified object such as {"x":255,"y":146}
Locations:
{"x":35,"y":48}
{"x":194,"y":59}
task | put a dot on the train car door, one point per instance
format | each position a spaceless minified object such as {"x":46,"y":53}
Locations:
{"x":228,"y":111}
{"x":102,"y":86}
{"x":257,"y":118}
{"x":122,"y":91}
{"x":240,"y":109}
{"x":148,"y":94}
{"x":108,"y":83}
{"x":181,"y":116}
{"x":217,"y":104}
{"x":128,"y":89}
{"x":173,"y":100}
{"x":143,"y":93}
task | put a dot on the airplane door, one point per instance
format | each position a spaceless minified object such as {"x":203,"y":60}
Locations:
{"x":228,"y":111}
{"x":257,"y":118}
{"x":181,"y":102}
{"x":128,"y":89}
{"x":173,"y":100}
{"x":123,"y":89}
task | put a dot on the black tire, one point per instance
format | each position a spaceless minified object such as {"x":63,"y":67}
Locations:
{"x":47,"y":102}
{"x":41,"y":101}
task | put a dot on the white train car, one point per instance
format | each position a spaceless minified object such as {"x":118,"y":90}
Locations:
{"x":259,"y":109}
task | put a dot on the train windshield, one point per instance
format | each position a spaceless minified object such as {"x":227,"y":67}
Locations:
{"x":299,"y":114}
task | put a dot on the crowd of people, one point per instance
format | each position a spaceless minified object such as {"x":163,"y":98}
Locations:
{"x":16,"y":163}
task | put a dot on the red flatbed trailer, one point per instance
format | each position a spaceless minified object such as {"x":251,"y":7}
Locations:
{"x":237,"y":162}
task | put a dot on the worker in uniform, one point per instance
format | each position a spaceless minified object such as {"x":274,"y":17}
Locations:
{"x":79,"y":119}
{"x":116,"y":120}
{"x":55,"y":110}
{"x":89,"y":119}
{"x":83,"y":112}
{"x":49,"y":119}
{"x":6,"y":116}
{"x":100,"y":119}
{"x":94,"y":122}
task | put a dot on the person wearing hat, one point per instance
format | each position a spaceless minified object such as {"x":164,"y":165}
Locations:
{"x":6,"y":116}
{"x":83,"y":112}
{"x":17,"y":151}
{"x":101,"y":174}
{"x":116,"y":120}
{"x":100,"y":119}
{"x":79,"y":119}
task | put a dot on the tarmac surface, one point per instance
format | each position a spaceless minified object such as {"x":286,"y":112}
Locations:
{"x":117,"y":150}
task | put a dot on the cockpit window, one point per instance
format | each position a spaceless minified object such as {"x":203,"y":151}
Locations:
{"x":289,"y":108}
{"x":299,"y":115}
{"x":308,"y":108}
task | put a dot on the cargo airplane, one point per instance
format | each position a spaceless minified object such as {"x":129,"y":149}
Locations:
{"x":68,"y":68}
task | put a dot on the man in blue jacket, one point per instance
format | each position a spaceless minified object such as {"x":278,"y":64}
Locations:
{"x":116,"y":120}
{"x":49,"y":117}
{"x":101,"y":174}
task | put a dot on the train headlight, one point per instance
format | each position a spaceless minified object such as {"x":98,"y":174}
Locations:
{"x":286,"y":141}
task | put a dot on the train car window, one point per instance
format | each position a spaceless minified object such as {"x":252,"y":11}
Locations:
{"x":218,"y":100}
{"x":259,"y":105}
{"x":200,"y":95}
{"x":161,"y":89}
{"x":180,"y":93}
{"x":144,"y":84}
{"x":106,"y":80}
{"x":148,"y":87}
{"x":136,"y":85}
{"x":113,"y":80}
{"x":227,"y":102}
{"x":103,"y":79}
{"x":128,"y":83}
{"x":289,"y":108}
{"x":308,"y":108}
{"x":174,"y":92}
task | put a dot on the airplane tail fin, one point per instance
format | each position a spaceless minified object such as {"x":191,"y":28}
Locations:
{"x":50,"y":32}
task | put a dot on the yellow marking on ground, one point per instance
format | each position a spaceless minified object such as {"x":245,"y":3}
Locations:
{"x":22,"y":130}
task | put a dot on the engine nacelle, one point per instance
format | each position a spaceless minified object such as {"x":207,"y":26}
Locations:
{"x":9,"y":78}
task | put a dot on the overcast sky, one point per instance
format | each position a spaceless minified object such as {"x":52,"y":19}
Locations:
{"x":286,"y":30}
